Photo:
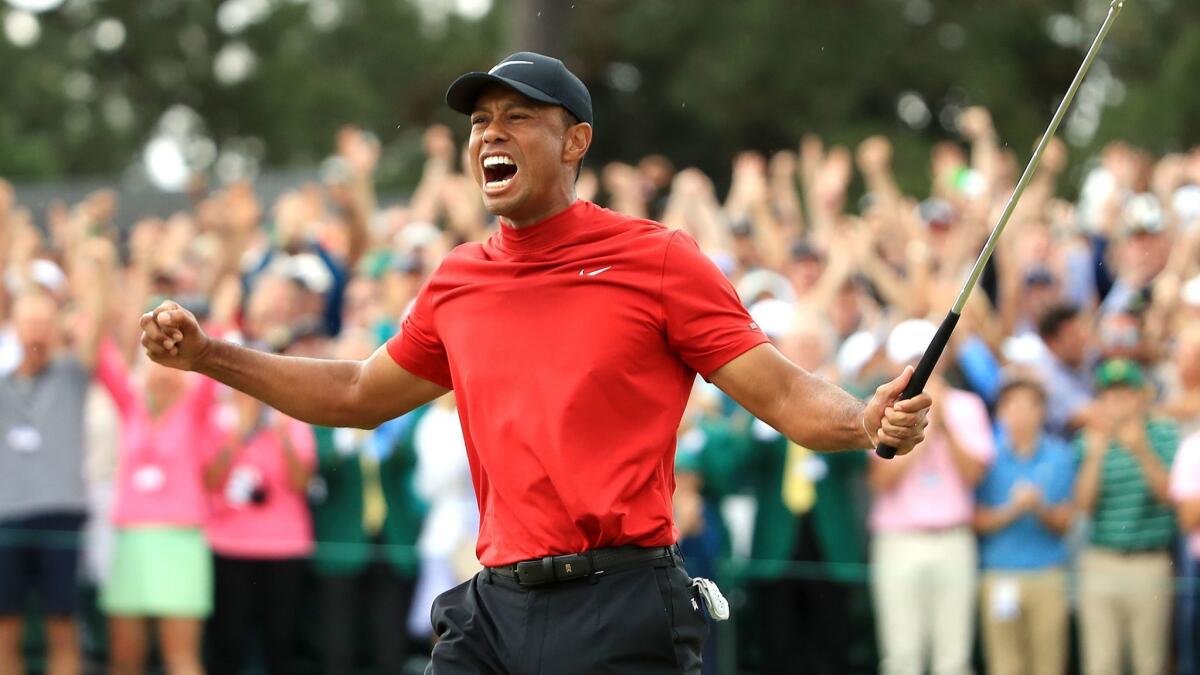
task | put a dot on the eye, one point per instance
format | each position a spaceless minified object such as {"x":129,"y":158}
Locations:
{"x":477,"y":120}
{"x":518,"y":116}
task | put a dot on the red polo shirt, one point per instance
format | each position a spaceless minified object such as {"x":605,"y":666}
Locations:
{"x":572,"y":345}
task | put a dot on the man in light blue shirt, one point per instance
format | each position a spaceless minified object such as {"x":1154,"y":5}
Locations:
{"x":1023,"y":510}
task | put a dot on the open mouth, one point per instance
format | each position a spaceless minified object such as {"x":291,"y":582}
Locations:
{"x":498,"y":171}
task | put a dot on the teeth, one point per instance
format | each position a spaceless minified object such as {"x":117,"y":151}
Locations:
{"x":496,"y":160}
{"x":497,"y":184}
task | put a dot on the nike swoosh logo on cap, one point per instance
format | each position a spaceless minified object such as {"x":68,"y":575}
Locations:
{"x":498,"y":66}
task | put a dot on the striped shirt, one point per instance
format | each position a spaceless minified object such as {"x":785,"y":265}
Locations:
{"x":1127,"y":516}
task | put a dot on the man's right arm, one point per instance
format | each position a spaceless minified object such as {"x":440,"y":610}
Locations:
{"x":324,"y":392}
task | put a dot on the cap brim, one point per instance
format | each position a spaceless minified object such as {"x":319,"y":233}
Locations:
{"x":462,"y":92}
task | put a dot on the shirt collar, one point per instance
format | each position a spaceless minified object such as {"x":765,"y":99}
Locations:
{"x":546,"y":233}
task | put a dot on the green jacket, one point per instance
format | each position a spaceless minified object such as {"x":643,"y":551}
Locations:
{"x":838,"y":513}
{"x":342,"y":543}
{"x":712,"y":450}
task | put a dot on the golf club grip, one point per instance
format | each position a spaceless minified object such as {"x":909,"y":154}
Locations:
{"x":920,"y":376}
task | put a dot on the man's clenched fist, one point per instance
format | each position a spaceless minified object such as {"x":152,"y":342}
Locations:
{"x":172,"y":337}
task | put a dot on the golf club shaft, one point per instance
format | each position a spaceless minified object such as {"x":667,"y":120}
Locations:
{"x":933,"y":353}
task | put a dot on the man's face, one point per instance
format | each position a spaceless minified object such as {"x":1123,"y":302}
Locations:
{"x":1120,"y":403}
{"x":518,"y":153}
{"x":35,"y":320}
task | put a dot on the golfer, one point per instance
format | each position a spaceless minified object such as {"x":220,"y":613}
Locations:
{"x":571,"y":338}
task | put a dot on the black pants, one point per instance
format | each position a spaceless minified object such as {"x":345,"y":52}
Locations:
{"x":249,"y":594}
{"x":805,"y":623}
{"x":643,"y":620}
{"x":374,"y":602}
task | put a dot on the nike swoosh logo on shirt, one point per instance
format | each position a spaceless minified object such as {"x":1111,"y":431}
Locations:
{"x":593,"y":273}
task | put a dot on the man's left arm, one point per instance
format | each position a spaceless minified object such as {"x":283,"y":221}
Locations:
{"x":816,"y":413}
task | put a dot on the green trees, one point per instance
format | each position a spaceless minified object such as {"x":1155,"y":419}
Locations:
{"x":693,"y":79}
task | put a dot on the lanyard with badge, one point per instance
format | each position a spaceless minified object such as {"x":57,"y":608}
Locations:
{"x":23,"y":437}
{"x":148,"y":474}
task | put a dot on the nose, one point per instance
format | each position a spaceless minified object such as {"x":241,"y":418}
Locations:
{"x":495,"y":131}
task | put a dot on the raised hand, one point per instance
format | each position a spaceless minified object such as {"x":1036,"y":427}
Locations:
{"x":874,"y":155}
{"x":976,"y":123}
{"x":359,"y":149}
{"x":172,"y":337}
{"x":439,"y":143}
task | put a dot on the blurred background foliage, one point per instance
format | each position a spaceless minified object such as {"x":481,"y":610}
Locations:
{"x":229,"y":88}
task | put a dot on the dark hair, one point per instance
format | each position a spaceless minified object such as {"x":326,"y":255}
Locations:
{"x":1021,"y":382}
{"x":1054,"y":318}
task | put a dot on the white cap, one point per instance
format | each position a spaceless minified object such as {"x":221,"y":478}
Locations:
{"x":775,"y":318}
{"x":47,"y":275}
{"x":1186,"y":203}
{"x":1190,"y":293}
{"x":855,"y":352}
{"x":1024,"y":349}
{"x":1143,"y":213}
{"x":909,"y":339}
{"x":418,"y":234}
{"x":754,"y":285}
{"x":306,"y":268}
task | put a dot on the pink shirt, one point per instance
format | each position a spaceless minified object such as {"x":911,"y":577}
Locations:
{"x":160,"y":462}
{"x":932,"y":495}
{"x":1185,"y":481}
{"x":256,"y":513}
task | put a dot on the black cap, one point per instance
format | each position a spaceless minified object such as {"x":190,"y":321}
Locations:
{"x":539,"y":77}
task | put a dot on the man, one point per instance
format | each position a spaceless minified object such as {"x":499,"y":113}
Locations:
{"x":923,"y":553}
{"x":1125,"y":577}
{"x":803,"y":513}
{"x":1064,"y":366}
{"x":1024,"y":510}
{"x":43,"y":502}
{"x":571,"y":339}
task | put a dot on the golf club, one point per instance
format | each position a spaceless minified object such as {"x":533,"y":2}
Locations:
{"x":934,"y":351}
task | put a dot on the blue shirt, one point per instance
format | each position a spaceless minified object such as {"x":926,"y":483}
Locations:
{"x":1026,"y":544}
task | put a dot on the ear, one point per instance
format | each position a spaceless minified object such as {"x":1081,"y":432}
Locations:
{"x":576,"y":141}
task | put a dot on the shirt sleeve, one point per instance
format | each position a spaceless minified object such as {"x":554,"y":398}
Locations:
{"x":418,"y":348}
{"x":967,"y":419}
{"x":1185,"y":470}
{"x":706,"y":324}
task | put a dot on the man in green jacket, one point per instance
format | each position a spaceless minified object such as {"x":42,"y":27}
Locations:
{"x":366,"y":517}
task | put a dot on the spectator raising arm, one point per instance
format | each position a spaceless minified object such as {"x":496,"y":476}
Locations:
{"x":96,"y":261}
{"x":325,"y":392}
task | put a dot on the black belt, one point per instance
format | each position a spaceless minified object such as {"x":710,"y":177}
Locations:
{"x":554,"y":568}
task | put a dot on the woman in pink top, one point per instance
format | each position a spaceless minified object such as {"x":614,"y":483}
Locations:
{"x":260,"y":532}
{"x":162,"y":567}
{"x":923,"y":559}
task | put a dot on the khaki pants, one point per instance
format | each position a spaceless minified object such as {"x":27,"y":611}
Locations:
{"x":1125,"y":609}
{"x":923,"y":585}
{"x":1024,"y":619}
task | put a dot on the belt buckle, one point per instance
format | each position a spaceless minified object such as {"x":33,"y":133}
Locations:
{"x":571,"y":566}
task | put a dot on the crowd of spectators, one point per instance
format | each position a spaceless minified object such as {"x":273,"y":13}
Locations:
{"x":1050,"y":517}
